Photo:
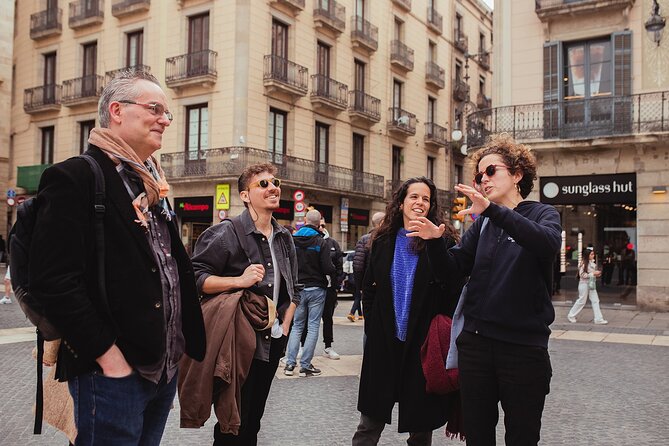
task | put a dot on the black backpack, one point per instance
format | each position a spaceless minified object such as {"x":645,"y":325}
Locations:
{"x":20,"y":238}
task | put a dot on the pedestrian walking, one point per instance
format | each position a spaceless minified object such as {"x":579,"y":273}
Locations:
{"x":8,"y":288}
{"x":587,"y":288}
{"x":503,"y":354}
{"x":401,"y":296}
{"x":334,"y":282}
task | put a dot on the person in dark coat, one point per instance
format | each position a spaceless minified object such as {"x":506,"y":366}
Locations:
{"x":360,"y":260}
{"x":400,"y":298}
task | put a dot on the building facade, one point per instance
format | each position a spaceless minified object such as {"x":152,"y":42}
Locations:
{"x":6,"y":81}
{"x":346,"y":97}
{"x":586,"y":86}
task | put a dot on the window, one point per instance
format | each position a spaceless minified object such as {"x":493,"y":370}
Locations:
{"x":279,"y":39}
{"x":482,"y":85}
{"x":430,"y":167}
{"x":198,"y":44}
{"x":397,"y":161}
{"x":458,"y":26}
{"x":276,"y":134}
{"x":360,"y":8}
{"x":397,"y":93}
{"x":432,"y":52}
{"x":459,"y":174}
{"x":587,"y":70}
{"x":197,"y":131}
{"x":49,"y":78}
{"x":431,"y":109}
{"x":134,"y":49}
{"x":359,"y":77}
{"x":322,"y":143}
{"x":398,"y":30}
{"x":457,"y":120}
{"x":458,"y":70}
{"x":358,"y":152}
{"x":85,"y":128}
{"x":89,"y":81}
{"x":481,"y":43}
{"x":47,"y":144}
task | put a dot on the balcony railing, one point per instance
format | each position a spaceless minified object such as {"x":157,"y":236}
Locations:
{"x":46,"y":23}
{"x":43,"y":98}
{"x":328,"y":92}
{"x":109,"y":75}
{"x":401,"y":121}
{"x":86,"y":12}
{"x":364,"y":34}
{"x":461,"y":41}
{"x":483,"y":101}
{"x":435,"y":75}
{"x":484,"y":59}
{"x":401,"y":55}
{"x":28,"y":177}
{"x":460,"y":90}
{"x":364,"y":106}
{"x":82,"y":90}
{"x":545,"y":9}
{"x":435,"y":134}
{"x":295,"y":5}
{"x":435,"y":21}
{"x":330,"y":14}
{"x":192,"y":68}
{"x":646,"y":113}
{"x":229,"y":161}
{"x":122,"y":8}
{"x":404,"y":4}
{"x":285,"y":75}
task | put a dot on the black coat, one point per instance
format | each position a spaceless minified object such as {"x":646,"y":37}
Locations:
{"x":389,"y":376}
{"x":63,"y":273}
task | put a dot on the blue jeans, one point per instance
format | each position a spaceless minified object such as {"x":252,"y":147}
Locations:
{"x":120,"y":411}
{"x":308,"y":312}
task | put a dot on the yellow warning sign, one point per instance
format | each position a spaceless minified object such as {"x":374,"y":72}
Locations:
{"x":222,"y":196}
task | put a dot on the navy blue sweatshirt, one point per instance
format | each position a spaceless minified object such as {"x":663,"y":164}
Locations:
{"x":510,"y":265}
{"x":314,"y":261}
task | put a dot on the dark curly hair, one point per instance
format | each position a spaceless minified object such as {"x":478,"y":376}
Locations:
{"x":518,"y":158}
{"x":250,"y":171}
{"x":394,"y":219}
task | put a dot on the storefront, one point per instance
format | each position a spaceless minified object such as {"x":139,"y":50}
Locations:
{"x":194,"y":215}
{"x":598,"y":211}
{"x":358,"y":225}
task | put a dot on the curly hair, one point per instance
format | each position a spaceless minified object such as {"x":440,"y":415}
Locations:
{"x":394,"y":218}
{"x":250,"y":171}
{"x":518,"y":158}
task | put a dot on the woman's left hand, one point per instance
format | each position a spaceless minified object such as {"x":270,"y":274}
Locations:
{"x":425,"y":229}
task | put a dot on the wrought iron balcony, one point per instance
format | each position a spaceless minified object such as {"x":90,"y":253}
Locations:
{"x":435,"y":21}
{"x":109,"y":75}
{"x":401,"y":55}
{"x":460,"y":90}
{"x":284,"y":75}
{"x":483,"y":101}
{"x":294,"y":5}
{"x":330,"y":15}
{"x":583,"y":119}
{"x":82,"y":90}
{"x":404,"y":4}
{"x":364,"y":107}
{"x":46,"y":23}
{"x":122,"y":8}
{"x":327,"y":92}
{"x":227,"y":162}
{"x":435,"y":75}
{"x":548,"y":9}
{"x":484,"y":59}
{"x":42,"y":99}
{"x":86,"y":13}
{"x":198,"y":68}
{"x":436,"y":135}
{"x":401,"y":121}
{"x":28,"y":177}
{"x":363,"y":34}
{"x":461,"y":42}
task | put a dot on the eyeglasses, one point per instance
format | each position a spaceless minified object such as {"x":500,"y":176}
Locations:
{"x":490,"y":171}
{"x":155,"y":108}
{"x":322,"y":226}
{"x":265,"y":183}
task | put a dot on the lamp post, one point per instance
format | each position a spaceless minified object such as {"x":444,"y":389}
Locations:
{"x":655,"y":24}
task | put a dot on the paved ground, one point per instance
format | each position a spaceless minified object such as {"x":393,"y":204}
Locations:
{"x":609,"y":387}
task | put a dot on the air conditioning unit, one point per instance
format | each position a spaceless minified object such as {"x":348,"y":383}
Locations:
{"x":402,"y":120}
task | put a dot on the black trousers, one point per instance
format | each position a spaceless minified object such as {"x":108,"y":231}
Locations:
{"x":492,"y":371}
{"x":254,"y":397}
{"x":328,"y":312}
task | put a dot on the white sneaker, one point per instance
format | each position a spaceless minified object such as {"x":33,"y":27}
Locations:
{"x":602,"y":322}
{"x":571,"y":319}
{"x":5,"y":300}
{"x":331,"y":353}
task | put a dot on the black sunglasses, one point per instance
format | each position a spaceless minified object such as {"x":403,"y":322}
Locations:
{"x":265,"y":183}
{"x":490,"y":171}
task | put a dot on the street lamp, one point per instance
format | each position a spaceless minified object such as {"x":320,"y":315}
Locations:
{"x":655,"y":24}
{"x":457,"y":134}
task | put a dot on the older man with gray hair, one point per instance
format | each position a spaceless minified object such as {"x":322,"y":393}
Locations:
{"x":314,"y":263}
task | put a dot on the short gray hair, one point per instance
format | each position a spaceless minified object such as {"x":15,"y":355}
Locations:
{"x":119,"y":88}
{"x":377,"y":218}
{"x":313,"y":217}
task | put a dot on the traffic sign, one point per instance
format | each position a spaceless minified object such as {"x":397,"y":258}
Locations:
{"x":300,"y":206}
{"x":11,"y":193}
{"x":298,"y":195}
{"x":10,"y":202}
{"x":222,"y":214}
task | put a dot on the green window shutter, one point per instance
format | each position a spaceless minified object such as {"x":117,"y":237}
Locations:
{"x":622,"y":63}
{"x":552,"y":82}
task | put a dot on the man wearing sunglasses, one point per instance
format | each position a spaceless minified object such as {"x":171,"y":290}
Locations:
{"x":120,"y":345}
{"x":267,"y":264}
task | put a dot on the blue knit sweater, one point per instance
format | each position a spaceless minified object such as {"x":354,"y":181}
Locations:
{"x":402,"y":274}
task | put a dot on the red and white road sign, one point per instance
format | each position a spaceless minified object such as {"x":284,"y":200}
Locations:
{"x":300,"y":206}
{"x":298,"y":195}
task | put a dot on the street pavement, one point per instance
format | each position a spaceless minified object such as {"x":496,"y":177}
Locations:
{"x":609,"y":387}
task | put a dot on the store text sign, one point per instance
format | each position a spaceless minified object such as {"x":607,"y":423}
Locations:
{"x":589,"y":189}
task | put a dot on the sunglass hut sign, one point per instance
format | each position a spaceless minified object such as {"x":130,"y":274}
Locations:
{"x":590,"y":189}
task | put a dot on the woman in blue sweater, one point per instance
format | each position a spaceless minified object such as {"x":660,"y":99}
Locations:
{"x":503,"y":348}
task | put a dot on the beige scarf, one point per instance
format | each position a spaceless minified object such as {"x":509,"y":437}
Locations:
{"x":119,"y":151}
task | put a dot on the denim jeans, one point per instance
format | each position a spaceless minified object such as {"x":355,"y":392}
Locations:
{"x":120,"y":411}
{"x":493,"y":371}
{"x":308,"y":313}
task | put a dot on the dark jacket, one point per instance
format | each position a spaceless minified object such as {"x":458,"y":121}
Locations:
{"x":360,"y":259}
{"x":313,"y":257}
{"x":388,"y":376}
{"x":510,"y":264}
{"x":63,"y":273}
{"x":338,"y":261}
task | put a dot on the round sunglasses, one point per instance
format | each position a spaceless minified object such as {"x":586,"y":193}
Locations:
{"x":264,"y":183}
{"x":490,"y":171}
